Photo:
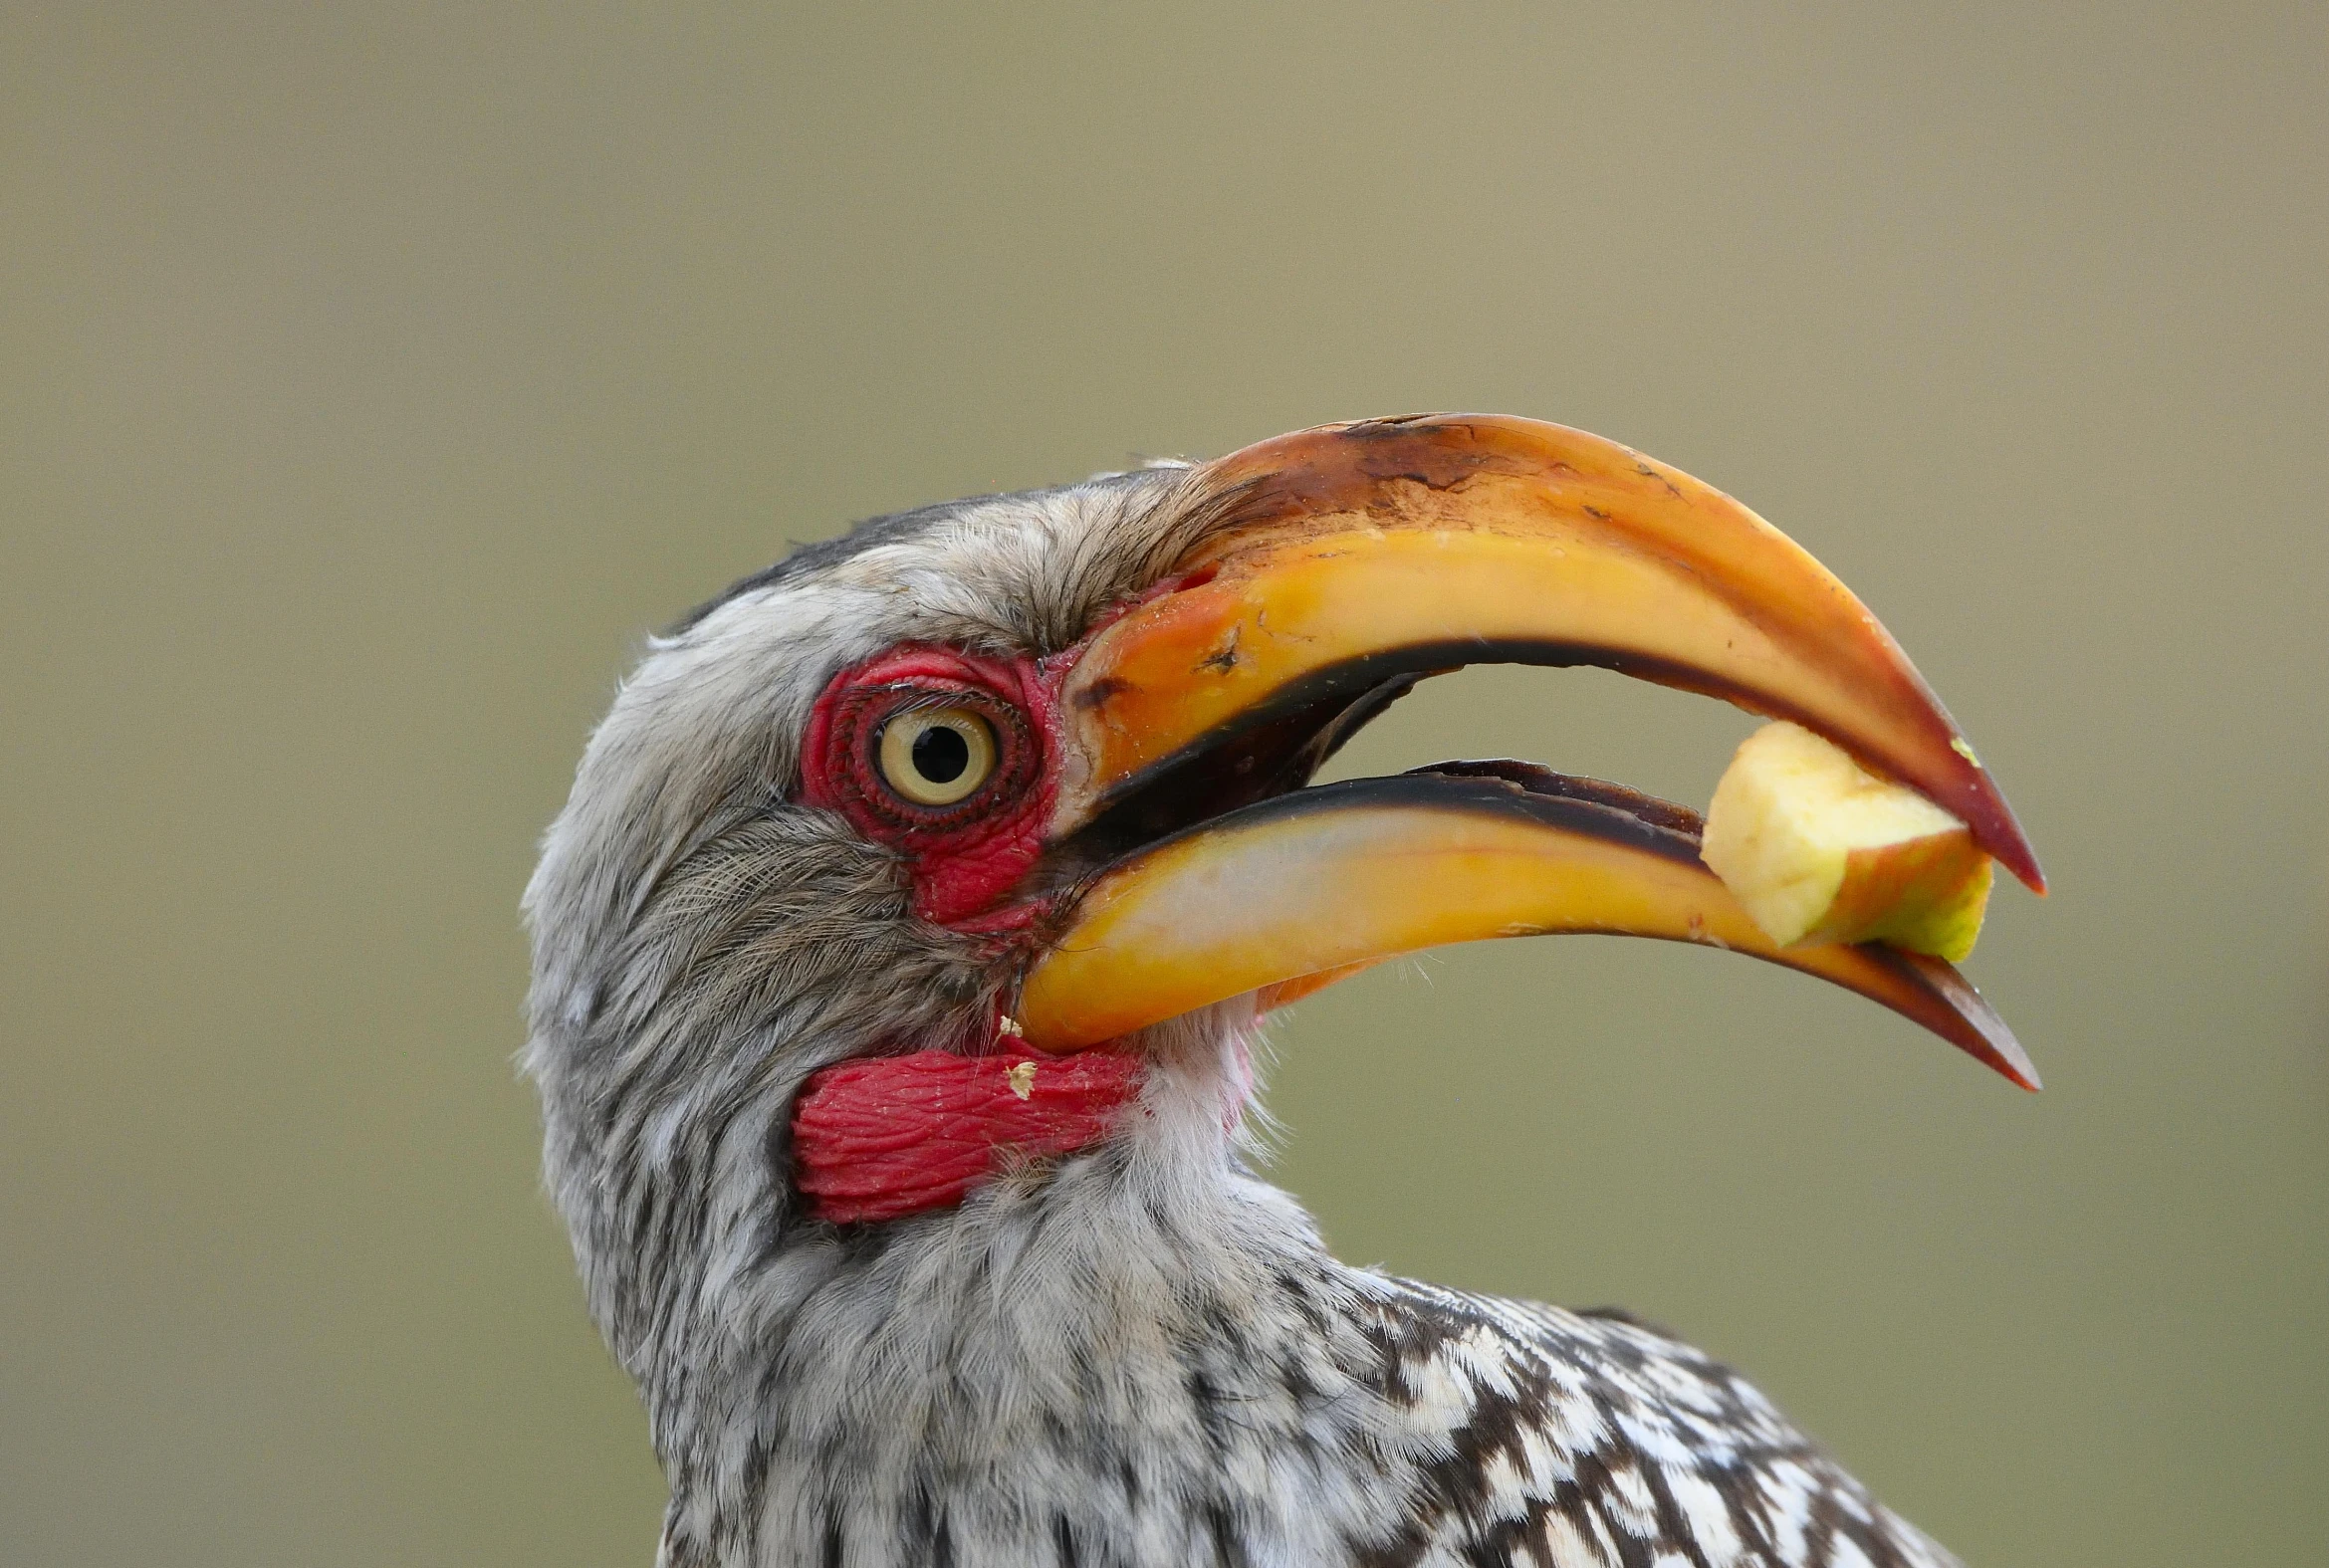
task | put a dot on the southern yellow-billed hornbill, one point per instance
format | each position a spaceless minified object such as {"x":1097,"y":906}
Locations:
{"x":898,"y":963}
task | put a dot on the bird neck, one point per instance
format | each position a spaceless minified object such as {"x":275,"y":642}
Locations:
{"x":1043,"y":1326}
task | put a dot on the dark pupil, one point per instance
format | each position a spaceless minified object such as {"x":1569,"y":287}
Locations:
{"x":941,"y":753}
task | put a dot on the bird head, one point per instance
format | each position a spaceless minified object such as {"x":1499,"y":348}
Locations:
{"x":983,"y":833}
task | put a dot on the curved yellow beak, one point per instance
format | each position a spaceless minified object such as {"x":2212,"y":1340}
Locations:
{"x":1335,"y":566}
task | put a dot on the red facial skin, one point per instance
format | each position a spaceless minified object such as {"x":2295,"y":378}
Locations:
{"x":964,"y":858}
{"x":882,"y":1136}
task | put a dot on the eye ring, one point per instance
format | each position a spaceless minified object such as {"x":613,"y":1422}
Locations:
{"x":936,"y":756}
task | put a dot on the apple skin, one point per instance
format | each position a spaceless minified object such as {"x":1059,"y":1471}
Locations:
{"x":1818,"y":849}
{"x":1927,"y":895}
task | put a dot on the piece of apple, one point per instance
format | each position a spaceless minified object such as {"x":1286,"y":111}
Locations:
{"x":1819,"y":849}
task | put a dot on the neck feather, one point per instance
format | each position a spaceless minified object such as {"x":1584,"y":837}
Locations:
{"x":1052,"y":1318}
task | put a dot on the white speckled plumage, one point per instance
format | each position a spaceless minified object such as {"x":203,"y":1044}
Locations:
{"x":1137,"y":1356}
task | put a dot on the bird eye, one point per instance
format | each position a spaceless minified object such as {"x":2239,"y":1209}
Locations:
{"x":937,"y":755}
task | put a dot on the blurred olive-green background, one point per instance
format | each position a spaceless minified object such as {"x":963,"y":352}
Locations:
{"x":373,"y":378}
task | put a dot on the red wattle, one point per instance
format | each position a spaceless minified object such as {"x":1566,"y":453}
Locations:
{"x":882,"y":1136}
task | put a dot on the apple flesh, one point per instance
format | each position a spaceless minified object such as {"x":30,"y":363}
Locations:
{"x":1819,"y":849}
